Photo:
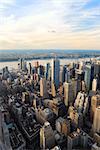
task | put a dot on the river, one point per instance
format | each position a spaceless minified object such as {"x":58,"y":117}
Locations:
{"x":14,"y":64}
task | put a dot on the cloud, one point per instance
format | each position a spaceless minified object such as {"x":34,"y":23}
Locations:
{"x":4,"y":4}
{"x":49,"y":24}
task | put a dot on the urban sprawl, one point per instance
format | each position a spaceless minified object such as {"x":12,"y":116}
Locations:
{"x":50,"y":106}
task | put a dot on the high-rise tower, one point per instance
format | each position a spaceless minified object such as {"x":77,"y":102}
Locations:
{"x":55,"y":66}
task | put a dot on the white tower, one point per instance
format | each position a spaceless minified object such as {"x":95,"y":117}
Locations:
{"x":94,"y":84}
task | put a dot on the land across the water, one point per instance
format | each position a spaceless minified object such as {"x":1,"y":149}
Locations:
{"x":14,"y":55}
{"x":45,"y":56}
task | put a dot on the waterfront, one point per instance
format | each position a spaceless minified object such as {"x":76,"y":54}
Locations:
{"x":14,"y":64}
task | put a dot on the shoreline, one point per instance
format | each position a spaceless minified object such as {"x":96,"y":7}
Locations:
{"x":46,"y":58}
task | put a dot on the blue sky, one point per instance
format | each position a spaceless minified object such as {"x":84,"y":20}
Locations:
{"x":65,"y":24}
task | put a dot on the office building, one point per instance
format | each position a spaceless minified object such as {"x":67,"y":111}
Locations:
{"x":95,"y":102}
{"x":68,"y":93}
{"x":4,"y":134}
{"x":61,"y":75}
{"x":36,"y":64}
{"x":43,"y":88}
{"x":57,"y":106}
{"x":47,"y":139}
{"x":96,"y":121}
{"x":5,"y":72}
{"x":30,"y":69}
{"x":22,"y":64}
{"x":55,"y":70}
{"x":77,"y":139}
{"x":97,"y":73}
{"x":87,"y":77}
{"x":83,"y":86}
{"x":79,"y":74}
{"x":16,"y":138}
{"x":82,"y":103}
{"x":43,"y":115}
{"x":40,"y":71}
{"x":96,"y":69}
{"x":75,"y":86}
{"x":47,"y":71}
{"x":76,"y":117}
{"x":63,"y":126}
{"x":53,"y":89}
{"x":67,"y":75}
{"x":94,"y":85}
{"x":64,"y":74}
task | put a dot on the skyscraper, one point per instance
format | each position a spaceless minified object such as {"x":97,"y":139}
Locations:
{"x":47,"y":71}
{"x":40,"y":71}
{"x":97,"y":73}
{"x":64,"y":73}
{"x":94,"y":85}
{"x":67,"y":75}
{"x":68,"y":93}
{"x":95,"y":102}
{"x":96,"y":121}
{"x":53,"y":89}
{"x":87,"y":77}
{"x":55,"y":66}
{"x":43,"y":88}
{"x":96,"y":69}
{"x":30,"y":68}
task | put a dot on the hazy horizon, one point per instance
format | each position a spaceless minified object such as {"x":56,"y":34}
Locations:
{"x":67,"y":50}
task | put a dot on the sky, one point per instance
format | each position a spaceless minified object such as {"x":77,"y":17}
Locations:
{"x":50,"y":24}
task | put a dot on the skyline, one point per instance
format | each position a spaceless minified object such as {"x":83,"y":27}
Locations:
{"x":54,"y":24}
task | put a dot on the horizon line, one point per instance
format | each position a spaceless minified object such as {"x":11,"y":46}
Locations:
{"x":53,"y":49}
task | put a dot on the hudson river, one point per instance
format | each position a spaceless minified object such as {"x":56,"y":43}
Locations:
{"x":14,"y":64}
